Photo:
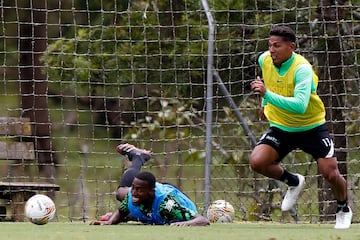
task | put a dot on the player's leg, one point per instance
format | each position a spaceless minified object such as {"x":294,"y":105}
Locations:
{"x":138,"y":157}
{"x":321,"y":147}
{"x":330,"y":171}
{"x":265,"y":159}
{"x":262,"y":160}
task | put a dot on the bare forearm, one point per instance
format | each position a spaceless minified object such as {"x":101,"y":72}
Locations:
{"x":114,"y":219}
{"x":197,"y":221}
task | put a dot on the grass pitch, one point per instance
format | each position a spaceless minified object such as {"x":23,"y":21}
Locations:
{"x":236,"y":231}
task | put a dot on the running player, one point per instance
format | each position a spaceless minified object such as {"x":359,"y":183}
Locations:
{"x":297,"y":120}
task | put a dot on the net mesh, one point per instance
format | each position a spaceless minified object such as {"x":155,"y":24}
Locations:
{"x":93,"y":74}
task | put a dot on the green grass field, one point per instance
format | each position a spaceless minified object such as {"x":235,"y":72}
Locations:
{"x":236,"y":231}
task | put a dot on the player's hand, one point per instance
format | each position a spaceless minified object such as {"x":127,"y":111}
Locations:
{"x":179,"y":224}
{"x":258,"y":86}
{"x":98,"y":222}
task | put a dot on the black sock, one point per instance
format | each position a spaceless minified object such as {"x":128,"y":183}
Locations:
{"x":289,"y":178}
{"x":342,"y":205}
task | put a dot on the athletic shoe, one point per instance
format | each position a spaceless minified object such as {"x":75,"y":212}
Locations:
{"x":130,"y":150}
{"x":343,"y":218}
{"x":292,"y":194}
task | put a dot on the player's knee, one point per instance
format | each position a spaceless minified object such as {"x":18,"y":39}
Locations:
{"x":331,"y":176}
{"x":121,"y":193}
{"x":255,"y":163}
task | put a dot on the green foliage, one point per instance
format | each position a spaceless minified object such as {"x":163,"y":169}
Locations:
{"x":175,"y":120}
{"x":144,"y":47}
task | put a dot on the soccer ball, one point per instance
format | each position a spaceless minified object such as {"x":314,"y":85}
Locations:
{"x":40,"y":209}
{"x":220,"y":211}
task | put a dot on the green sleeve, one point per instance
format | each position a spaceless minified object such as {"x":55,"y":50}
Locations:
{"x":123,"y":208}
{"x":263,"y":102}
{"x":299,"y":102}
{"x":260,"y":61}
{"x":173,"y":211}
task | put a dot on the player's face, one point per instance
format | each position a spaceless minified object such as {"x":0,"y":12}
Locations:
{"x":280,"y":50}
{"x":141,"y":192}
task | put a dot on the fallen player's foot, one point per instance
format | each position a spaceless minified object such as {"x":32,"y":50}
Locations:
{"x":130,"y":150}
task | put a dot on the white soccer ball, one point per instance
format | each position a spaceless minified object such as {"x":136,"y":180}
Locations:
{"x":40,"y":209}
{"x":220,"y":211}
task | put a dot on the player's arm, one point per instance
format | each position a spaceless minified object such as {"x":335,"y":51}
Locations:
{"x":178,"y":215}
{"x":117,"y":216}
{"x":299,"y":102}
{"x":114,"y":219}
{"x":198,"y":220}
{"x":262,"y":116}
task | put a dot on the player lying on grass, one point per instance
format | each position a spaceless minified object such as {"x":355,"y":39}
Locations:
{"x":147,"y":201}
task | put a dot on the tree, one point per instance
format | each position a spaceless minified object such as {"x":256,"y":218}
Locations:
{"x":332,"y":90}
{"x":33,"y":83}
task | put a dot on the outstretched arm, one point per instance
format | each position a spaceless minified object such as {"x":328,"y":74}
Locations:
{"x":114,"y":219}
{"x":199,"y":220}
{"x":179,"y":215}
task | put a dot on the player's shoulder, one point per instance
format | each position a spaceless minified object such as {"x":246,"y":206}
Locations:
{"x":262,"y":57}
{"x":303,"y":69}
{"x":300,"y":59}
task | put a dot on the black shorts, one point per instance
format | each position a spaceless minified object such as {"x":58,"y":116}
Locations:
{"x":316,"y":142}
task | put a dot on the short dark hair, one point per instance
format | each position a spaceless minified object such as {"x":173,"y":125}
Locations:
{"x":147,"y":177}
{"x":283,"y":31}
